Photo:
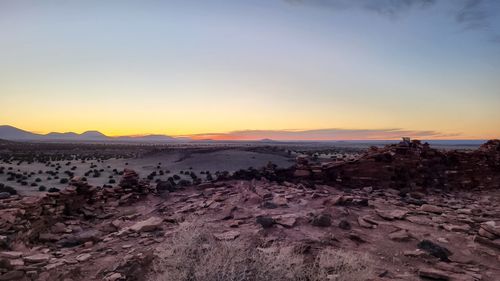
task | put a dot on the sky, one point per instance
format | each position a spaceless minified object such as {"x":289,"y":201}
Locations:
{"x":281,"y":69}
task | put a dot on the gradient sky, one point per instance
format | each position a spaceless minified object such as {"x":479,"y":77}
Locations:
{"x":219,"y":68}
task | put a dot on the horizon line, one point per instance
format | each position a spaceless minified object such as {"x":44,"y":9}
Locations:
{"x":316,"y":135}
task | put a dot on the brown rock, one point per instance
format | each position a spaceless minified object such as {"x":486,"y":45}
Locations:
{"x":364,"y":223}
{"x":38,"y":258}
{"x":287,"y":220}
{"x":392,"y":215}
{"x":434,"y":274}
{"x":322,"y":220}
{"x":431,"y":209}
{"x":11,"y":254}
{"x":227,"y":236}
{"x":483,"y":232}
{"x":302,"y":173}
{"x":400,"y":236}
{"x":150,"y":224}
{"x":491,"y":227}
{"x":12,"y":275}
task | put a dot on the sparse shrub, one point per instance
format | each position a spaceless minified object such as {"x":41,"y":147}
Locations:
{"x":6,"y":188}
{"x":42,"y":188}
{"x":184,"y":182}
{"x":64,"y":181}
{"x":53,"y":189}
{"x":112,"y":181}
{"x":193,"y":254}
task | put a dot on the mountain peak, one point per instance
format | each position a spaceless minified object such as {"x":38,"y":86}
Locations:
{"x":8,"y":132}
{"x":92,"y":134}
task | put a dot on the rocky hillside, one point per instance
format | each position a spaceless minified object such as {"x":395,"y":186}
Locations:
{"x":127,"y":232}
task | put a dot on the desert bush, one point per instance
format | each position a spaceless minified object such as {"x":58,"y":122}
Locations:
{"x":53,"y":189}
{"x":6,"y":188}
{"x":184,"y":182}
{"x":193,"y":254}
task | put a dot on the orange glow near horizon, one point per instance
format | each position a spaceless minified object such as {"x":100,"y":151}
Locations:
{"x":212,"y":71}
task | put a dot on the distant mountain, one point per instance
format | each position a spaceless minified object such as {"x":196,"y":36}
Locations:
{"x":13,"y":133}
{"x":267,"y":140}
{"x":86,"y":136}
{"x":93,"y":135}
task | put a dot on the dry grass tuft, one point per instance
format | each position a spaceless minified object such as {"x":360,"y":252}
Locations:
{"x":194,"y":255}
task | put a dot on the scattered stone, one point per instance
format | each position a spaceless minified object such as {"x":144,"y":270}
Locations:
{"x":415,"y":254}
{"x":457,"y":228}
{"x":392,"y":215}
{"x":83,"y":257}
{"x":488,"y":242}
{"x":38,"y":258}
{"x":115,"y":276}
{"x":322,"y":220}
{"x":400,"y":236}
{"x":150,"y":224}
{"x":12,"y":275}
{"x":491,"y":228}
{"x":434,"y":274}
{"x":288,"y":220}
{"x":364,"y":223}
{"x":11,"y":254}
{"x":227,"y":236}
{"x":431,"y":209}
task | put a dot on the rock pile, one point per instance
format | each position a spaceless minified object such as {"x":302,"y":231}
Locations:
{"x":80,"y":215}
{"x":411,"y":166}
{"x":130,"y":181}
{"x":25,"y":218}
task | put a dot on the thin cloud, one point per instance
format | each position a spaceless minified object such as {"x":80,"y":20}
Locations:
{"x":391,"y":8}
{"x":323,"y":134}
{"x":470,"y":14}
{"x":473,"y":15}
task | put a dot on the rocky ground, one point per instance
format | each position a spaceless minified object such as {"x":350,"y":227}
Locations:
{"x":446,"y":232}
